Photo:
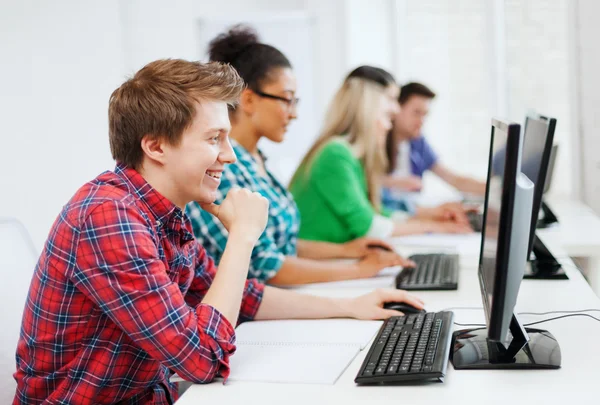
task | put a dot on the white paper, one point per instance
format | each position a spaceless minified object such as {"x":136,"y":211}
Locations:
{"x":462,"y":244}
{"x":384,"y":279}
{"x":297,"y":351}
{"x":310,"y":331}
{"x":308,"y":364}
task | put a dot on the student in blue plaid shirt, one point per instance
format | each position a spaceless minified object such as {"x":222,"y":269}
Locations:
{"x":266,"y":107}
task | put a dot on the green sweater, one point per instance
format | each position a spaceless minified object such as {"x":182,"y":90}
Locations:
{"x":332,"y":196}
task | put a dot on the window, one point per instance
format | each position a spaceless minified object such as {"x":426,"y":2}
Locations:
{"x":483,"y":59}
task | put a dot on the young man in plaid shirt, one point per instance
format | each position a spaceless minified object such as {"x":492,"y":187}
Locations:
{"x":123,"y":295}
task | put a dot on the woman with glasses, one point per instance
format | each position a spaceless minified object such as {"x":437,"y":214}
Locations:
{"x":337,"y":186}
{"x":265,"y":109}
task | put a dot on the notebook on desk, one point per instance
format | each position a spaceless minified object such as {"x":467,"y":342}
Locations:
{"x":298,"y":351}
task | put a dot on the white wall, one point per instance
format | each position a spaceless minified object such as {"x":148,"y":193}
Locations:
{"x":62,"y":59}
{"x":588,"y":93}
{"x":314,"y":42}
{"x":60,"y":62}
{"x":370,"y":33}
{"x":67,"y":57}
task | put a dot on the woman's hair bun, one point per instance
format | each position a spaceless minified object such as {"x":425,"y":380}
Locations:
{"x":227,"y":46}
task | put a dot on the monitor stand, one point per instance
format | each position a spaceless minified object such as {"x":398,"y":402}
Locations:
{"x":529,"y":349}
{"x":544,"y":265}
{"x":548,"y":218}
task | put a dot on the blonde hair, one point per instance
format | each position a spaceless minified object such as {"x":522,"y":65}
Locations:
{"x":353,"y":113}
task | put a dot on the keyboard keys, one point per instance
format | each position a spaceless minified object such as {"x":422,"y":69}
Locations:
{"x":406,"y":347}
{"x":433,"y":271}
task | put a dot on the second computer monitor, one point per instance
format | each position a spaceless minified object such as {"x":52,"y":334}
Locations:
{"x":505,"y":342}
{"x":505,"y":233}
{"x":538,"y":138}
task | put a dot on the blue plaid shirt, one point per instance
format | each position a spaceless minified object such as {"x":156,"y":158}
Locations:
{"x":281,"y":234}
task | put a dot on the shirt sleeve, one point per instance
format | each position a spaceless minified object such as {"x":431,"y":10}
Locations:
{"x":394,"y":203}
{"x":428,"y":156}
{"x":266,"y":259}
{"x":333,"y":175}
{"x":119,"y":269}
{"x":204,"y":276}
{"x":381,"y":227}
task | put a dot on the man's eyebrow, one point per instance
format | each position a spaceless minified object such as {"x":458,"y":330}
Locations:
{"x":217,"y":129}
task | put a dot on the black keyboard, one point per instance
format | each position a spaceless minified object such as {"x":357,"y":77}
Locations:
{"x":410,"y":347}
{"x":433,"y":272}
{"x":475,"y":220}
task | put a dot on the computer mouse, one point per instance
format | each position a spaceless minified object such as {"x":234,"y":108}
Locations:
{"x":403,"y":307}
{"x":378,"y":246}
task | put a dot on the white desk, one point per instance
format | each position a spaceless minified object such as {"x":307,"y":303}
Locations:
{"x":575,"y":383}
{"x":578,"y":233}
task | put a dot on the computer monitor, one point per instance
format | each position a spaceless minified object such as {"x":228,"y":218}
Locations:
{"x":537,"y":154}
{"x":537,"y":146}
{"x":505,"y":343}
{"x":550,"y":171}
{"x":537,"y":149}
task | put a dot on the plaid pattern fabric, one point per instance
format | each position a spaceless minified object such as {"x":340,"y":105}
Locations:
{"x":281,"y":234}
{"x":115,"y":306}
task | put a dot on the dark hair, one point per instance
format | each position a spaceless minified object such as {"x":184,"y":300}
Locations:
{"x":414,"y":89}
{"x":159,"y":100}
{"x":254,"y":61}
{"x":373,"y":74}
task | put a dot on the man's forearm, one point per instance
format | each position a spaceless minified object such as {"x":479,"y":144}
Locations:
{"x":308,"y":249}
{"x":412,"y":227}
{"x":296,"y":270}
{"x":389,"y":181}
{"x":469,"y":185}
{"x":225,"y":293}
{"x":284,"y":304}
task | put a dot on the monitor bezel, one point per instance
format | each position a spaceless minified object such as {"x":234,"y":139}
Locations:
{"x":539,"y":183}
{"x":509,"y":181}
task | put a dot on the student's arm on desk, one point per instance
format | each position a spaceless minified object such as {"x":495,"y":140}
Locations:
{"x":415,"y":226}
{"x":405,"y":183}
{"x":296,"y":270}
{"x":462,"y":183}
{"x":284,"y":304}
{"x":355,"y":249}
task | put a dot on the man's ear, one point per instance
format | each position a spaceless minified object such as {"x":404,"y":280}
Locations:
{"x":153,"y":148}
{"x":247,"y":101}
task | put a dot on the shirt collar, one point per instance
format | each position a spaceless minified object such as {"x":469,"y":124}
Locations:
{"x":160,"y":206}
{"x":245,"y":158}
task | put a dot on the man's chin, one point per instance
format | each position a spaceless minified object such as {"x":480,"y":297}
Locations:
{"x":206,"y":197}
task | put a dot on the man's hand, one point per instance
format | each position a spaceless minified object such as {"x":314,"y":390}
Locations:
{"x":242,"y":212}
{"x":361,"y":247}
{"x":370,"y":306}
{"x":450,"y":227}
{"x":378,"y":260}
{"x":408,"y":183}
{"x":452,"y":211}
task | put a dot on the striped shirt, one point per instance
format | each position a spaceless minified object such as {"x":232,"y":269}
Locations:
{"x":281,"y":234}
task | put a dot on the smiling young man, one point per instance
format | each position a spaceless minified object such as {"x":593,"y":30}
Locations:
{"x":122,"y":295}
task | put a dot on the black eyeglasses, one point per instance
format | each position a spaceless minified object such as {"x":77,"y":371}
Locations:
{"x":290,"y":102}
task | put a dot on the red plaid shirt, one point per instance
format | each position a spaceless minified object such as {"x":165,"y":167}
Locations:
{"x":115,"y":306}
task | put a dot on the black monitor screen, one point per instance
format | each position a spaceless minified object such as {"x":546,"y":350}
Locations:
{"x":537,"y":146}
{"x":498,"y":210}
{"x":492,"y":216}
